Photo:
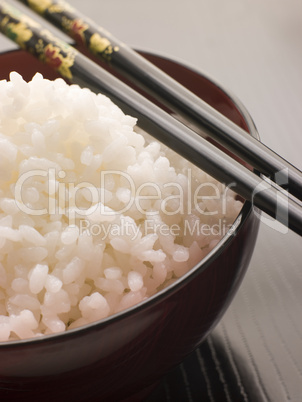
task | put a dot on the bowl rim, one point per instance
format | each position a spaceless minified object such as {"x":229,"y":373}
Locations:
{"x":198,"y":268}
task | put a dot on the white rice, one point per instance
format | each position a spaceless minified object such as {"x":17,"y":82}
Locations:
{"x":95,"y":216}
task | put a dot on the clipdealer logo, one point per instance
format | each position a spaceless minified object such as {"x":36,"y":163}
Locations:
{"x":97,"y":219}
{"x":281,"y":213}
{"x":62,"y":195}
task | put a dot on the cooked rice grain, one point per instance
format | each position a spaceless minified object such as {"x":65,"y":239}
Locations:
{"x":76,"y":246}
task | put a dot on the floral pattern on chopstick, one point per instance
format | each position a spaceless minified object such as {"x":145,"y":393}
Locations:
{"x":76,"y":28}
{"x":38,"y":41}
{"x":99,"y":45}
{"x":39,"y":5}
{"x":19,"y":33}
{"x":84,"y":33}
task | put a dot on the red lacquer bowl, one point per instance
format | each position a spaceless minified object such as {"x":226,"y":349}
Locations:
{"x":124,"y":355}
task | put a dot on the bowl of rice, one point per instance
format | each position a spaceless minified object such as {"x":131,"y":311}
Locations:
{"x":117,"y":256}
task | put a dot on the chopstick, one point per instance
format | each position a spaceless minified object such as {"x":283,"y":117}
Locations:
{"x":77,"y":68}
{"x":143,"y":73}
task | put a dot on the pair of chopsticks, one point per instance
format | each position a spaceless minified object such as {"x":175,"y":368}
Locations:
{"x":75,"y":67}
